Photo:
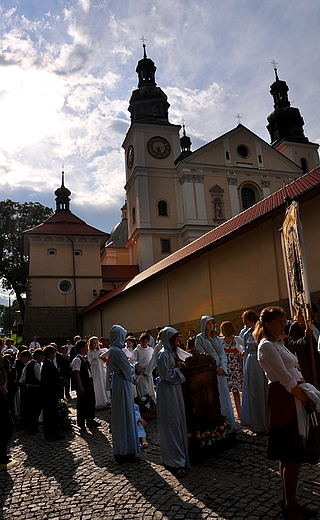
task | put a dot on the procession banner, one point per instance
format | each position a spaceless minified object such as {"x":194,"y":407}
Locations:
{"x":295,"y":263}
{"x":297,"y":278}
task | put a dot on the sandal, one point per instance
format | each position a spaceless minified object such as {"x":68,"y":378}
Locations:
{"x":181,"y":472}
{"x":144,"y":445}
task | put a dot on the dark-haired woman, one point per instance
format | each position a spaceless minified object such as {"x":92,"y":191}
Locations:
{"x":285,"y":443}
{"x":234,"y":349}
{"x":170,"y":405}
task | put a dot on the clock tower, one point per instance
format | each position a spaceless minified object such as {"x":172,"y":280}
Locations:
{"x":151,"y":146}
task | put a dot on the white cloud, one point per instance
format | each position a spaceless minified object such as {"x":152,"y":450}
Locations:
{"x":66,"y":80}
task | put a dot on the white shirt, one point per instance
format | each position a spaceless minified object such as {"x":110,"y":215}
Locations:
{"x":34,"y":344}
{"x":142,"y":355}
{"x":278,"y":363}
{"x":37,"y":371}
{"x":76,"y":364}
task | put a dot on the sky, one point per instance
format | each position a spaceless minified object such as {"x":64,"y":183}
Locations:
{"x":67,"y":71}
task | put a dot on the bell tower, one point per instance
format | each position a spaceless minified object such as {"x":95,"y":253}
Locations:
{"x":151,"y":146}
{"x":286,"y":128}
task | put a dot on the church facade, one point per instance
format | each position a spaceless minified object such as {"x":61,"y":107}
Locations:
{"x":175,"y":195}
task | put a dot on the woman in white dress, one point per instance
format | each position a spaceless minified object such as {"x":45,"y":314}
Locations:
{"x":96,"y":358}
{"x":285,"y":443}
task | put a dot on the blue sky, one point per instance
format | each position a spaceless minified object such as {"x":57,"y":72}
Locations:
{"x":67,"y":70}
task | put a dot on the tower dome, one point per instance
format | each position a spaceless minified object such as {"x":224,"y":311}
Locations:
{"x":285,"y":122}
{"x":148,"y":103}
{"x":62,"y":197}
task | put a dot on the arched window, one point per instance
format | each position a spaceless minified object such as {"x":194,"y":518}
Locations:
{"x":248,"y":197}
{"x":304,"y":165}
{"x":162,"y":208}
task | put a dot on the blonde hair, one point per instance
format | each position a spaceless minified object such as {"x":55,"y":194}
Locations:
{"x":91,"y":343}
{"x":267,"y":315}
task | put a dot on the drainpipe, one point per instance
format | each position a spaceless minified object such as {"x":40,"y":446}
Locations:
{"x":101,"y":323}
{"x":75,"y":287}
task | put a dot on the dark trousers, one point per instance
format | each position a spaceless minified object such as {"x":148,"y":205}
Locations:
{"x":6,"y":427}
{"x":86,"y":404}
{"x":51,"y":417}
{"x":33,"y":408}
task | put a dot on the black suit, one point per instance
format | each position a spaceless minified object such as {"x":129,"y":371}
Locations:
{"x":86,"y":400}
{"x":51,"y":391}
{"x":300,"y":346}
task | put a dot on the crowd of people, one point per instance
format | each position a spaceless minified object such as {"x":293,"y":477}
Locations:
{"x":259,"y":365}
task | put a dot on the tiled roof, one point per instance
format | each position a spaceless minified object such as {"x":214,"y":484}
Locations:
{"x":119,"y":273}
{"x":301,"y":187}
{"x":64,"y":222}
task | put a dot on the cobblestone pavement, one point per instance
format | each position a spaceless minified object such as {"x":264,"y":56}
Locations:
{"x":77,"y":479}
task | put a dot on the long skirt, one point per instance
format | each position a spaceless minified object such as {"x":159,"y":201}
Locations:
{"x":285,"y":443}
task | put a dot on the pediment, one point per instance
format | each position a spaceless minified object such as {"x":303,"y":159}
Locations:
{"x":226,"y":151}
{"x":216,"y":190}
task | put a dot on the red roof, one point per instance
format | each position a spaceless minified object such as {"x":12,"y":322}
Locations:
{"x":301,"y":187}
{"x":63,"y":222}
{"x":119,"y":273}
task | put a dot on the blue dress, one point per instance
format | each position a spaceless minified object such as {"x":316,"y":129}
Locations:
{"x":254,"y":413}
{"x":214,"y":347}
{"x":170,"y":407}
{"x":125,"y":437}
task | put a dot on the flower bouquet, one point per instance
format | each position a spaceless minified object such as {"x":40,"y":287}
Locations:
{"x":64,"y":412}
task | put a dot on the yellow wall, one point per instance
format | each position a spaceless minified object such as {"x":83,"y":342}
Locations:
{"x":244,"y":272}
{"x":46,"y":271}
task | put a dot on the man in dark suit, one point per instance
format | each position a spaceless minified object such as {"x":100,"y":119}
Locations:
{"x":84,"y":387}
{"x":299,"y":344}
{"x":51,"y":392}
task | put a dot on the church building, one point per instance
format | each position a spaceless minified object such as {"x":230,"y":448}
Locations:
{"x":175,"y":195}
{"x":81,"y":279}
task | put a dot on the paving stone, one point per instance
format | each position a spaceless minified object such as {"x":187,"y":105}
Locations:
{"x":79,"y":480}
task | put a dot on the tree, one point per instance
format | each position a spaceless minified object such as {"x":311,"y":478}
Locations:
{"x":9,"y":317}
{"x":15,"y":218}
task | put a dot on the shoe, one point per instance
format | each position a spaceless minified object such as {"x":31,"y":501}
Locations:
{"x":305,"y":512}
{"x":181,"y":472}
{"x":126,"y":459}
{"x":93,"y":424}
{"x":56,"y":438}
{"x":132,"y":459}
{"x":144,"y":445}
{"x":6,"y":460}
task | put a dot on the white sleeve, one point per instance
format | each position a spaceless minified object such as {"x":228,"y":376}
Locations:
{"x":76,"y":364}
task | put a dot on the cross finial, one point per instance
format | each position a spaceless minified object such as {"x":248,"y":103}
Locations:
{"x":275,"y":64}
{"x":143,"y":39}
{"x":62,"y":175}
{"x":183,"y":126}
{"x":239,"y":118}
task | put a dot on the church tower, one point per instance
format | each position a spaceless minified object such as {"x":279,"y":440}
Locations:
{"x":151,"y":146}
{"x":64,"y":272}
{"x":286,"y":129}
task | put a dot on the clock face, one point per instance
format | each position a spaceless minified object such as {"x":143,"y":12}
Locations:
{"x":130,"y":156}
{"x":159,"y":147}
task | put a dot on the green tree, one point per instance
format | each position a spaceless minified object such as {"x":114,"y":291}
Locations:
{"x":15,"y":218}
{"x":8,"y":317}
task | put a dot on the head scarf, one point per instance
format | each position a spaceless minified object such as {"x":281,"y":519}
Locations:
{"x":203,"y":323}
{"x":117,"y":336}
{"x":167,"y":333}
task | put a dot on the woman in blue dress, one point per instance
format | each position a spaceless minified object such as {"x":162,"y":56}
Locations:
{"x":207,"y":342}
{"x":125,"y":437}
{"x":170,"y":405}
{"x":255,"y":384}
